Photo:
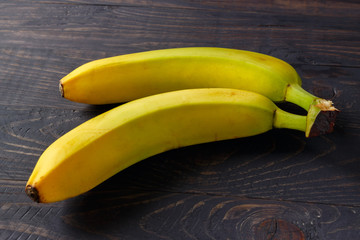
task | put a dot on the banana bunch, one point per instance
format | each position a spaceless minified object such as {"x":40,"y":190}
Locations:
{"x":175,"y":98}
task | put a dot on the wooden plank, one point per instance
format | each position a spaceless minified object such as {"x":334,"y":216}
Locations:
{"x":333,"y":7}
{"x":34,"y":115}
{"x":277,"y":185}
{"x":305,"y":38}
{"x":138,"y":214}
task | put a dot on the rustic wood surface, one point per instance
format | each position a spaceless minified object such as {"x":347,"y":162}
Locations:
{"x":277,"y":185}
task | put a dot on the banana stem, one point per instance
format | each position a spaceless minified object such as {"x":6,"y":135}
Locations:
{"x":315,"y":123}
{"x":284,"y":119}
{"x":297,"y":95}
{"x":321,"y":113}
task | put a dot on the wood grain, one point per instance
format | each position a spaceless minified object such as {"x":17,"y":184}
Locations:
{"x":136,"y":214}
{"x":277,"y":185}
{"x":306,"y":38}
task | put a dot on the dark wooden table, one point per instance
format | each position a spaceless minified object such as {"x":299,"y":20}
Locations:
{"x":278,"y":185}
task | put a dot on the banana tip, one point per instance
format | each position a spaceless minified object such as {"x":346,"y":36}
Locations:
{"x":33,"y":193}
{"x":61,"y":89}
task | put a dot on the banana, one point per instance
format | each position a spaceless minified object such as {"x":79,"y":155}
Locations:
{"x":132,"y":76}
{"x":110,"y":142}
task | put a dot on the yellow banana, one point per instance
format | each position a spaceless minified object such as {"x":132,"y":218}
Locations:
{"x":101,"y":147}
{"x":128,"y":77}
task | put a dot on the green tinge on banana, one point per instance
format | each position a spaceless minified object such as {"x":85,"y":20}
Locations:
{"x":132,"y":76}
{"x":101,"y":147}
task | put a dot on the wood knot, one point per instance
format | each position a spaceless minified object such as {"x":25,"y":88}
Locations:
{"x":278,"y":229}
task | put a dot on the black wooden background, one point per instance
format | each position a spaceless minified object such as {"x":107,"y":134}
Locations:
{"x":277,"y":185}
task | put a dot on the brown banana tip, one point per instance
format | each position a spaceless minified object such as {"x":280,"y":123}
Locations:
{"x":61,"y":89}
{"x":324,"y":123}
{"x":33,"y":193}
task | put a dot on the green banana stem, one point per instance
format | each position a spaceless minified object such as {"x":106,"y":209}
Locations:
{"x":288,"y":120}
{"x":315,"y":123}
{"x":297,"y":95}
